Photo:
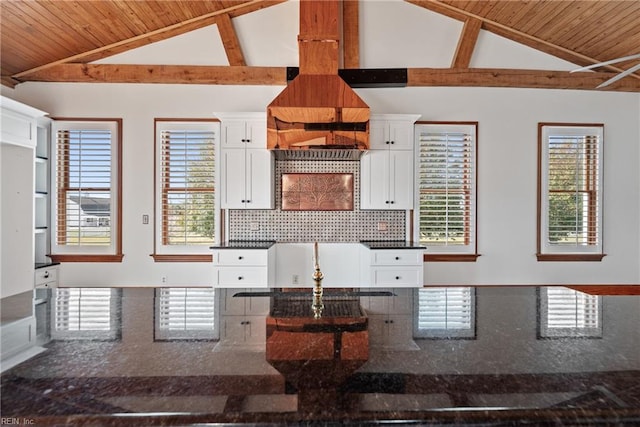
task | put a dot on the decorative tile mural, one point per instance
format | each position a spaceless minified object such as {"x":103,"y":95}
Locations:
{"x":317,"y":191}
{"x":316,"y":225}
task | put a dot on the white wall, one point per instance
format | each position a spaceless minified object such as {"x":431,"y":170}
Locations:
{"x":507,"y":145}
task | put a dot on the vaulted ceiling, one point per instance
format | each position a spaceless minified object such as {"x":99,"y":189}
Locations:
{"x":54,"y":40}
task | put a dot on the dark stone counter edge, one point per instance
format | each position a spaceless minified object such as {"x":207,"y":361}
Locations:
{"x":266,"y":244}
{"x":45,"y":264}
{"x":245,"y":244}
{"x":391,"y":244}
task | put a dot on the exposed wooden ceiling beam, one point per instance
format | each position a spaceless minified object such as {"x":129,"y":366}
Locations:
{"x":157,"y":35}
{"x":350,"y":34}
{"x":224,"y":75}
{"x":466,"y":43}
{"x":171,"y":74}
{"x":500,"y":77}
{"x":510,"y":33}
{"x":230,"y":40}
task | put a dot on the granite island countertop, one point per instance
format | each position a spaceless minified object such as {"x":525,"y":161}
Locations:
{"x":504,"y":374}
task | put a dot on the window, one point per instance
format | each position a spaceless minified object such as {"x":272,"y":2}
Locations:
{"x":186,"y":313}
{"x":570,"y":192}
{"x":446,"y":216}
{"x":186,"y":203}
{"x":565,"y":312}
{"x":87,"y":206}
{"x":445,"y":313}
{"x":86,"y":313}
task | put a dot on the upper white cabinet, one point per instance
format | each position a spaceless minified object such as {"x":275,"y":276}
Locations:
{"x":245,"y":132}
{"x":391,"y":132}
{"x":387,"y":168}
{"x":247,"y":167}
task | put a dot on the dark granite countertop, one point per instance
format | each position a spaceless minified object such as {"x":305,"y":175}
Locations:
{"x":45,"y":264}
{"x":245,"y":244}
{"x":391,"y":244}
{"x":503,"y":374}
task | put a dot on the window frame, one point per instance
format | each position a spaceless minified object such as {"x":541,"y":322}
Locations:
{"x":80,"y":253}
{"x":439,"y":333}
{"x":454,"y":253}
{"x":183,"y":253}
{"x":544,"y":332}
{"x":546,"y":251}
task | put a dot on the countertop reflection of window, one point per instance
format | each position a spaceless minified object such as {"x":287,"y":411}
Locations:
{"x":564,"y":312}
{"x":86,"y":314}
{"x":445,"y":313}
{"x":185,"y":314}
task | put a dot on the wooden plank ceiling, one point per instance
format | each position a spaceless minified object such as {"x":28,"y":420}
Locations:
{"x":53,"y":40}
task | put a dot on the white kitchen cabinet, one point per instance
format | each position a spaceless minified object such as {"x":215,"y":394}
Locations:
{"x":390,"y":319}
{"x":242,"y":321}
{"x":393,"y":268}
{"x":390,"y":131}
{"x":19,"y":204}
{"x":247,"y":167}
{"x":387,"y":180}
{"x":247,"y":130}
{"x":234,"y":268}
{"x":247,"y":179}
{"x":387,"y":169}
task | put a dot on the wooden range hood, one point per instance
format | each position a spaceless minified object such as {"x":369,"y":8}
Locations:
{"x":318,"y":110}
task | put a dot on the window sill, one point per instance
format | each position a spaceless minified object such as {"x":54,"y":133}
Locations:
{"x":182,"y":258}
{"x":86,"y":258}
{"x":450,"y":257}
{"x":571,"y":257}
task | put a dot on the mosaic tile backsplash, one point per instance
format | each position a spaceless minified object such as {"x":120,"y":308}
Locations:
{"x":321,"y":226}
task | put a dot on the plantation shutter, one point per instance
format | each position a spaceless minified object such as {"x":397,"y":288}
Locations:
{"x":188,"y":187}
{"x":84,"y":313}
{"x":446,"y":312}
{"x":447,"y":187}
{"x":186,"y":313}
{"x":84,"y":180}
{"x":573,"y":189}
{"x":566,"y":312}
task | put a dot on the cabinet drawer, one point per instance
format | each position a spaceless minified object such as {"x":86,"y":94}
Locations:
{"x":239,"y":277}
{"x":46,"y":277}
{"x":394,"y":277}
{"x":393,"y":257}
{"x":241,"y":257}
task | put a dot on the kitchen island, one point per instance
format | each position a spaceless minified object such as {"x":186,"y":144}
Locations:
{"x":504,"y":374}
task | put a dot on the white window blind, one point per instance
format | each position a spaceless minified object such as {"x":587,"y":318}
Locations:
{"x":186,"y":313}
{"x":85,"y":313}
{"x":565,"y":312}
{"x":84,"y":183}
{"x":572,"y":189}
{"x":187,"y":199}
{"x":447,"y":187}
{"x":445,"y":313}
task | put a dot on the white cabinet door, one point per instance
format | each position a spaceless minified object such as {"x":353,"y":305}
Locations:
{"x":259,"y":168}
{"x":374,"y":182}
{"x":401,"y":135}
{"x":232,"y":191}
{"x":247,"y":179}
{"x":256,"y":133}
{"x":386,"y":180}
{"x":391,"y":134}
{"x":401,"y":179}
{"x":234,"y":134}
{"x":244,"y":133}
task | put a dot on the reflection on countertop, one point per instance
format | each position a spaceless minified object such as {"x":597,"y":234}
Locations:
{"x":504,"y":372}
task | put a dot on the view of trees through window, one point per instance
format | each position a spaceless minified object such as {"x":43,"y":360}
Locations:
{"x":188,"y":165}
